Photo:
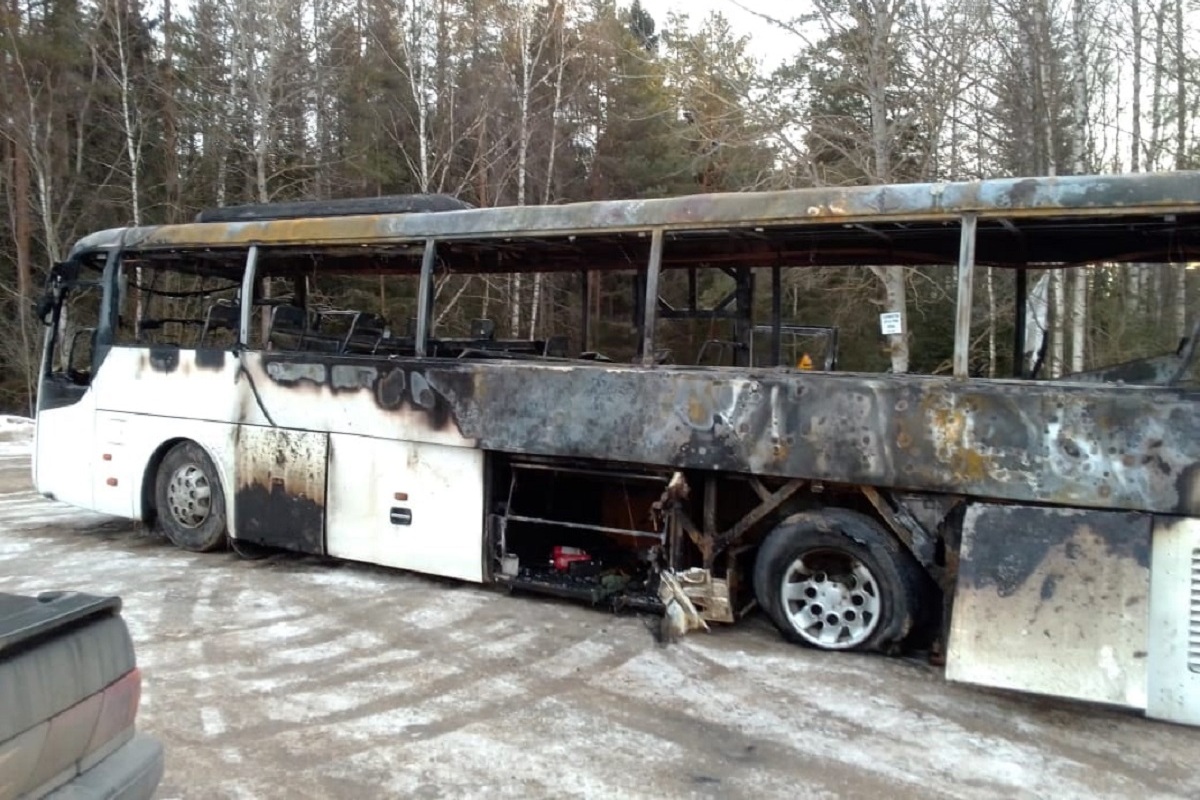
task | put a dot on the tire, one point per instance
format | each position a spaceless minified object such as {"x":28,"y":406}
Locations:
{"x":853,"y":586}
{"x":189,"y":502}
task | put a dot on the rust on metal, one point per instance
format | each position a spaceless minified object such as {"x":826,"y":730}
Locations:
{"x":888,"y":514}
{"x":709,"y":541}
{"x":757,"y":514}
{"x":843,"y":225}
{"x":1087,"y":445}
{"x":999,"y":198}
{"x":919,"y":539}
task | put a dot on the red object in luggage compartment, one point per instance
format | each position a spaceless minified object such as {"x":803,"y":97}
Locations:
{"x":565,"y":556}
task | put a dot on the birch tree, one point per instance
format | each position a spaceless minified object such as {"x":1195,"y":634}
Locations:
{"x":556,"y":35}
{"x":1182,"y":114}
{"x":118,"y":18}
{"x":1033,"y":119}
{"x":862,"y":58}
{"x":1133,"y":271}
{"x":530,"y":46}
{"x":418,"y":33}
{"x":170,"y":117}
{"x":53,"y":85}
{"x":265,"y":79}
{"x":1079,"y":276}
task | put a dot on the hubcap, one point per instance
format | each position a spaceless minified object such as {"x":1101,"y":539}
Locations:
{"x":189,"y":496}
{"x":831,"y":599}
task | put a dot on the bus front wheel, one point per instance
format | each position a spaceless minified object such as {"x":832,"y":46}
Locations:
{"x":835,"y":579}
{"x":189,"y":503}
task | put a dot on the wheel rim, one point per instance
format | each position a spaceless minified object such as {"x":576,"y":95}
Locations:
{"x":831,"y":599}
{"x":189,"y":496}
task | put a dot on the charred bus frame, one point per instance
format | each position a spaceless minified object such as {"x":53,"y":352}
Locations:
{"x":843,"y":504}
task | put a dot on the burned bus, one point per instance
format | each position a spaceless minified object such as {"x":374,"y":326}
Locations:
{"x":1044,"y":535}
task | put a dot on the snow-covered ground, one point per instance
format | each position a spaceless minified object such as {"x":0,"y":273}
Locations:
{"x":20,"y":507}
{"x":295,"y":678}
{"x":16,"y":437}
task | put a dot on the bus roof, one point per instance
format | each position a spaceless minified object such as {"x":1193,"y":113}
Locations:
{"x":1023,"y":221}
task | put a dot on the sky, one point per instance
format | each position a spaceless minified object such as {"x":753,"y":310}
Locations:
{"x":769,"y":44}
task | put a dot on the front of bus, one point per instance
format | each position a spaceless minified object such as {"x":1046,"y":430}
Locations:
{"x":74,"y":308}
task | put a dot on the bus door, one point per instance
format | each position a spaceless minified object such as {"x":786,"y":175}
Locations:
{"x":64,"y":443}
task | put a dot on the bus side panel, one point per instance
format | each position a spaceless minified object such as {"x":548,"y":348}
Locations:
{"x":1053,"y":601}
{"x":280,"y":499}
{"x":64,"y":442}
{"x":118,"y":466}
{"x":147,"y":396}
{"x":172,"y":382}
{"x":1174,"y":681}
{"x":132,"y":441}
{"x":411,"y":505}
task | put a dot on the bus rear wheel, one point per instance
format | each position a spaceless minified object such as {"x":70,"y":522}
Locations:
{"x":836,"y":580}
{"x":189,"y":503}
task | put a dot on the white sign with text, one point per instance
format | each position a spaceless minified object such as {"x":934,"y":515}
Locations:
{"x":890,"y":323}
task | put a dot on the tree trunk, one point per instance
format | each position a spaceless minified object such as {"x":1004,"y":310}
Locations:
{"x":1181,"y":83}
{"x":131,"y":128}
{"x":320,"y":59}
{"x":1135,"y":164}
{"x":596,"y":293}
{"x":1179,"y":301}
{"x":22,"y":230}
{"x":1153,"y":147}
{"x":1058,"y":288}
{"x":878,"y":82}
{"x":991,"y":330}
{"x":418,"y":84}
{"x":1045,"y":119}
{"x":170,"y":123}
{"x":528,"y":66}
{"x":1043,"y":108}
{"x":1079,"y":319}
{"x":894,"y":299}
{"x":1079,"y":101}
{"x":1136,"y":110}
{"x":522,"y":167}
{"x":514,"y":305}
{"x":556,"y":19}
{"x":1142,"y":272}
{"x":236,"y":47}
{"x":40,"y":152}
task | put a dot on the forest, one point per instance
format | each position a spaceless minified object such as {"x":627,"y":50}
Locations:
{"x":118,"y":112}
